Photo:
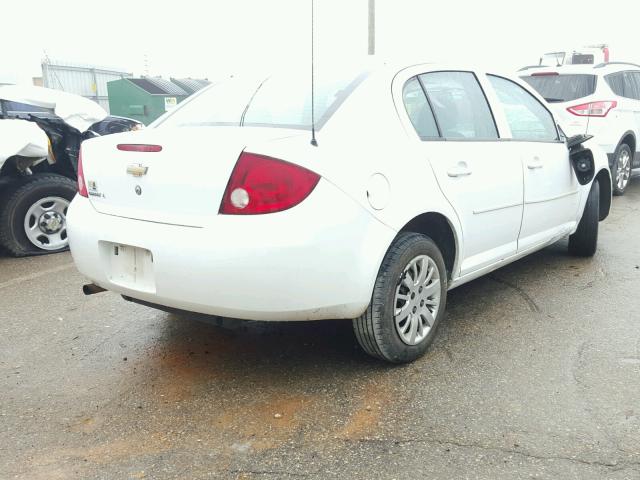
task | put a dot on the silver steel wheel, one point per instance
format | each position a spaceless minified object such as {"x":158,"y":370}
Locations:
{"x":417,"y":300}
{"x":45,"y":223}
{"x":623,"y":172}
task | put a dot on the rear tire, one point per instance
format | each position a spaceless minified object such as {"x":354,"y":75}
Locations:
{"x":33,"y":214}
{"x":621,"y":169}
{"x":584,"y":242}
{"x":408,"y":302}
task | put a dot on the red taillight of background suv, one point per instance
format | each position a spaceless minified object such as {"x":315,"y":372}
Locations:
{"x":593,"y":109}
{"x":261,"y":184}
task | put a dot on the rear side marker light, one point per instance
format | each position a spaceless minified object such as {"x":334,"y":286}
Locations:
{"x":138,"y":147}
{"x":82,"y":185}
{"x":593,"y":109}
{"x":260,"y":184}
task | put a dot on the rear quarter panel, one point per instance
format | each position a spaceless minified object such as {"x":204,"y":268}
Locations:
{"x":367,"y":144}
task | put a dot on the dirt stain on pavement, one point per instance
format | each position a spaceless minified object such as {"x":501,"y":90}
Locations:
{"x":65,"y":463}
{"x":267,"y":423}
{"x":368,"y":410}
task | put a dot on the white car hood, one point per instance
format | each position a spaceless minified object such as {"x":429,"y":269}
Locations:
{"x":76,"y":111}
{"x":24,"y":138}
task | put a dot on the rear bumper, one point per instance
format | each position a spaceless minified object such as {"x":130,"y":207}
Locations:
{"x":318,"y":260}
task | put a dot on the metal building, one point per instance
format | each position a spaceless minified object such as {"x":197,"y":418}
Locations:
{"x":143,"y":99}
{"x":85,"y":80}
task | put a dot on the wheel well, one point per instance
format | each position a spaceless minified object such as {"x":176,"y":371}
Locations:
{"x":9,"y":167}
{"x":436,"y":227}
{"x":604,"y":179}
{"x":630,"y":140}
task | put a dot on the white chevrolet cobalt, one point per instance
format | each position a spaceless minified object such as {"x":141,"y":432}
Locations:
{"x":419,"y":179}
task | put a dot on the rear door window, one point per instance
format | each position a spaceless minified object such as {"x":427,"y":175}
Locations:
{"x":616,"y":83}
{"x":631,"y":85}
{"x":625,"y":84}
{"x":418,"y":109}
{"x":528,"y":119}
{"x":459,"y":105}
{"x":635,"y":76}
{"x":562,"y":88}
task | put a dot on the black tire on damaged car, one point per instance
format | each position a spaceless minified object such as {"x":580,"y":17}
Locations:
{"x":376,"y":330}
{"x":15,"y":201}
{"x":584,"y":242}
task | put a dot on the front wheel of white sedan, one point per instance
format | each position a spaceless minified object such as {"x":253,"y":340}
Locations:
{"x":408,"y":302}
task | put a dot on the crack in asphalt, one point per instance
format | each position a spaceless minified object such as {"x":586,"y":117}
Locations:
{"x":595,"y":463}
{"x":271,"y":472}
{"x":578,"y":364}
{"x":533,"y":306}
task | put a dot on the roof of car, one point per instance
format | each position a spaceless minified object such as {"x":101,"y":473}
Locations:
{"x":598,"y":69}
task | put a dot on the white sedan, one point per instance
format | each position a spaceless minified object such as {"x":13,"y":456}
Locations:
{"x":422,"y":178}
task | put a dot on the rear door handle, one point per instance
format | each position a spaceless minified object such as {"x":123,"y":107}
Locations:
{"x":535,"y":164}
{"x":460,"y":170}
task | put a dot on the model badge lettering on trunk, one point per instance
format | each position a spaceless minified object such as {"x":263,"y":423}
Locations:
{"x":93,"y":189}
{"x":137,"y":170}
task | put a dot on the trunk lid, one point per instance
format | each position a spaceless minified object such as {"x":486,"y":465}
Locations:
{"x":182,"y":184}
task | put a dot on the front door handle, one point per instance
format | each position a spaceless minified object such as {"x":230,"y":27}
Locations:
{"x":460,"y":170}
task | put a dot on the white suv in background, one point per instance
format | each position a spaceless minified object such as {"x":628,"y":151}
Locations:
{"x":601,"y":100}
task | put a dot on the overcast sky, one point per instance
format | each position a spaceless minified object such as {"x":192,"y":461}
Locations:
{"x":213,"y":38}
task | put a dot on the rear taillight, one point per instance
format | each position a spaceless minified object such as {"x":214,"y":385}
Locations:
{"x":593,"y":109}
{"x":82,"y":185}
{"x":260,"y":184}
{"x":138,"y":147}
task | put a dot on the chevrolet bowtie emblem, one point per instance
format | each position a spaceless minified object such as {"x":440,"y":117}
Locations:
{"x":137,"y":170}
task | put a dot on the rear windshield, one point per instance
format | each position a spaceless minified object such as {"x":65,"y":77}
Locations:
{"x":582,"y":59}
{"x":282,"y":100}
{"x":562,"y":88}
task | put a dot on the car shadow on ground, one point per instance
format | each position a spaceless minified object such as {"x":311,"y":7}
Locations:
{"x":236,"y":343}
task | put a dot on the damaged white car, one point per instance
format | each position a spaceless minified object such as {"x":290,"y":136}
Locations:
{"x":40,"y":135}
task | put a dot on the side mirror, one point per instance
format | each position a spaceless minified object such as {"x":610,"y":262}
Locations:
{"x":581,"y":158}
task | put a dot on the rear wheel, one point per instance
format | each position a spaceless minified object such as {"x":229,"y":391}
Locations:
{"x":33,"y":215}
{"x":621,"y":170}
{"x":408,"y":302}
{"x":584,"y":241}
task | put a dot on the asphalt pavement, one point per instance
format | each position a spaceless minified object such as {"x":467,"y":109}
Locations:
{"x":535,"y":373}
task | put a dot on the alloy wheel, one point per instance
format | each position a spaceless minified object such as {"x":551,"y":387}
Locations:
{"x":623,"y":172}
{"x":417,"y":300}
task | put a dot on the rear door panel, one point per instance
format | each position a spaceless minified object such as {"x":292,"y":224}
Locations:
{"x":479,"y":175}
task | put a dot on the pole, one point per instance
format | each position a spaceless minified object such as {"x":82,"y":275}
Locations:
{"x":372,"y":27}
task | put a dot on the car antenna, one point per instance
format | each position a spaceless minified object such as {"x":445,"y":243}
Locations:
{"x":314,"y":142}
